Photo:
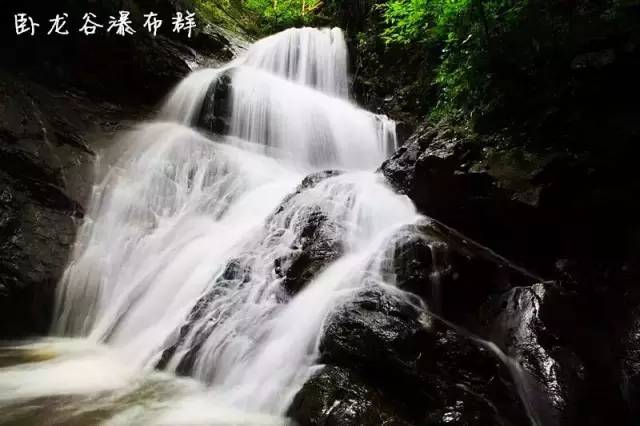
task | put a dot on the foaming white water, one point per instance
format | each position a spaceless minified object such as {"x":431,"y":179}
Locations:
{"x":307,"y":125}
{"x":184,"y":102}
{"x":309,"y":56}
{"x":259,"y":350}
{"x":72,"y":381}
{"x":288,"y":92}
{"x":183,"y":255}
{"x":166,"y":213}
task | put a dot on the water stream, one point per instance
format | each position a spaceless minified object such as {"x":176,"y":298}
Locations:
{"x":177,"y":256}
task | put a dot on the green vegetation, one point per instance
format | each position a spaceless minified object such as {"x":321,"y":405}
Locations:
{"x":484,"y":51}
{"x":281,"y":14}
{"x":229,"y":14}
{"x":464,"y":32}
{"x":259,"y":17}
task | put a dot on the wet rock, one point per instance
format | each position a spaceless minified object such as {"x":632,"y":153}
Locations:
{"x":47,"y":143}
{"x":34,"y":243}
{"x":530,"y":324}
{"x":444,"y":174}
{"x":441,"y":376}
{"x":453,"y":273}
{"x":630,"y":365}
{"x":212,"y":40}
{"x":337,"y":396}
{"x":215,"y":114}
{"x":315,"y":245}
{"x":315,"y":178}
{"x":389,"y":329}
{"x":43,"y":155}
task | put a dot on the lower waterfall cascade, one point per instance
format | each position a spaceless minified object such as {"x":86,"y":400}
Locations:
{"x":190,"y":297}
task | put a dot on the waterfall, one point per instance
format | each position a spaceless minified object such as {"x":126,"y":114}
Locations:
{"x":308,"y":56}
{"x":184,"y":258}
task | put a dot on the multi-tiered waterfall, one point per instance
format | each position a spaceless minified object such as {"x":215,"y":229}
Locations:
{"x":194,"y":256}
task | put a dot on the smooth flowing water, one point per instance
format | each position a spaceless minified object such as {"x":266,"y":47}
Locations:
{"x":179,"y":258}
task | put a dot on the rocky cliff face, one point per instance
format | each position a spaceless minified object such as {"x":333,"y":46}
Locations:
{"x":44,"y":153}
{"x":573,"y":338}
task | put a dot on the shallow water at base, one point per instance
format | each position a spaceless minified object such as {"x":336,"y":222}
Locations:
{"x":76,"y":382}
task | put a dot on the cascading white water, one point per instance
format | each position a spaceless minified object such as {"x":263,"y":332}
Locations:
{"x":308,"y":56}
{"x":306,"y":125}
{"x":178,"y":207}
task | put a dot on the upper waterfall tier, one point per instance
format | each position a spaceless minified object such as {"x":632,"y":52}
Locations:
{"x":288,"y":93}
{"x":293,"y":122}
{"x":310,"y":56}
{"x":306,"y":125}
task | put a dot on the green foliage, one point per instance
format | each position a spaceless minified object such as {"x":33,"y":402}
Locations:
{"x":276,"y":15}
{"x":407,"y":20}
{"x":460,"y":31}
{"x":491,"y":53}
{"x":229,"y":14}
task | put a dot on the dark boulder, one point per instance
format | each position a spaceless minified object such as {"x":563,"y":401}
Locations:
{"x":532,"y":205}
{"x":440,"y":375}
{"x":440,"y":171}
{"x":387,"y":326}
{"x":534,"y":326}
{"x":337,"y":396}
{"x":630,"y":365}
{"x":315,"y":248}
{"x":215,"y":112}
{"x":452,"y":273}
{"x":317,"y":241}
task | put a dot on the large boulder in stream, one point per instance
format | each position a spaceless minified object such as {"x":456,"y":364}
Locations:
{"x":215,"y":115}
{"x":317,"y":243}
{"x":428,"y":371}
{"x":336,"y":396}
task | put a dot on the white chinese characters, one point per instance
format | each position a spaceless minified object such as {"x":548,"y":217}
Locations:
{"x":184,"y":23}
{"x":152,"y":23}
{"x":89,"y":26}
{"x":121,"y":25}
{"x":57,"y":25}
{"x":25,"y":24}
